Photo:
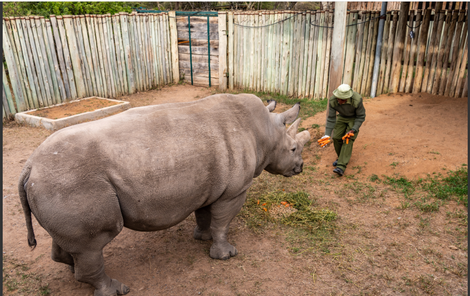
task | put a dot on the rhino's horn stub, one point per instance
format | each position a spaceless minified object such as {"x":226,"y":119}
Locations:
{"x":290,"y":115}
{"x":271,"y":105}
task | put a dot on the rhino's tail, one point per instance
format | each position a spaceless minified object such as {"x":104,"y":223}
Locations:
{"x":24,"y":202}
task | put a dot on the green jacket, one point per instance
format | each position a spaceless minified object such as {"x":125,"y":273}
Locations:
{"x":352,"y":108}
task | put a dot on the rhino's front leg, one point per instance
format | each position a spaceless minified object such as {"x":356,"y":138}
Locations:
{"x":223,"y":211}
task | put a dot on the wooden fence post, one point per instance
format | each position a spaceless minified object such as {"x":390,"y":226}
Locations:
{"x":230,"y":52}
{"x":398,"y":50}
{"x":337,"y":48}
{"x":423,"y":38}
{"x":222,"y":51}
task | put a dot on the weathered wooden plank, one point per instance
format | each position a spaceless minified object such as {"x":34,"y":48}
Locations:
{"x":442,"y":53}
{"x":202,"y":81}
{"x":60,"y":57}
{"x":383,"y":57}
{"x":436,"y":37}
{"x":367,"y":57}
{"x":431,"y":48}
{"x":97,"y":62}
{"x":398,"y":49}
{"x":81,"y":51}
{"x":40,"y":74}
{"x":54,"y":59}
{"x":105,"y":77}
{"x":37,"y":73}
{"x":289,"y":35}
{"x":302,"y":52}
{"x":49,"y":62}
{"x":13,"y":72}
{"x":326,"y":73}
{"x":414,"y":52}
{"x":364,"y":59}
{"x":318,"y":70}
{"x":17,"y":51}
{"x":117,"y":49}
{"x":463,"y":66}
{"x":143,"y":40}
{"x":391,"y":43}
{"x":222,"y":51}
{"x":351,"y":48}
{"x":296,"y":53}
{"x":407,"y":52}
{"x":372,"y":54}
{"x":451,"y":33}
{"x":258,"y":51}
{"x":184,"y":33}
{"x":456,"y":54}
{"x":357,"y":61}
{"x":7,"y":93}
{"x":202,"y":72}
{"x":67,"y":59}
{"x":314,"y":55}
{"x":465,"y":87}
{"x":421,"y":52}
{"x":309,"y":44}
{"x":166,"y":48}
{"x":127,"y":52}
{"x":135,"y":51}
{"x":230,"y":49}
{"x":113,"y":55}
{"x":77,"y":71}
{"x":43,"y":62}
{"x":29,"y":64}
{"x":158,"y":50}
{"x":281,"y":62}
{"x":6,"y":108}
{"x":306,"y":35}
{"x":174,"y":45}
{"x":161,"y":47}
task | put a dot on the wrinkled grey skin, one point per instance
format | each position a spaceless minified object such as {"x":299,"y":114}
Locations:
{"x":148,"y":169}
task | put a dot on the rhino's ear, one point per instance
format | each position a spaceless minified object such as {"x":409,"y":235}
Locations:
{"x":271,"y":105}
{"x":290,"y":115}
{"x":292,"y":130}
{"x":302,"y":138}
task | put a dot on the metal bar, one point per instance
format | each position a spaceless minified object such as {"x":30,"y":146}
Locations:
{"x":190,"y":51}
{"x":378,"y":50}
{"x":208,"y":49}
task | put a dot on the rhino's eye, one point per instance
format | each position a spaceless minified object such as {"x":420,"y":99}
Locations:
{"x":293,"y":149}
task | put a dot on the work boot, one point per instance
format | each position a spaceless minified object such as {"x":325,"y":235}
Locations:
{"x":335,"y":163}
{"x":339,"y":171}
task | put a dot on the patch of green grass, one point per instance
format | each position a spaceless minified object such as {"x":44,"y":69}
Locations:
{"x":394,"y":164}
{"x":455,"y":184}
{"x":19,"y":281}
{"x":374,"y":178}
{"x":400,"y":184}
{"x":315,"y":125}
{"x":426,"y":206}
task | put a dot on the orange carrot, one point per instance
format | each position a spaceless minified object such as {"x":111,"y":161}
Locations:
{"x":265,"y":209}
{"x":287,"y":205}
{"x":264,"y":204}
{"x":283,"y":202}
{"x":258,"y":201}
{"x":347,"y":141}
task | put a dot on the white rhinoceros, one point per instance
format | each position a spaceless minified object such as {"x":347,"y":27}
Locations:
{"x":148,"y":169}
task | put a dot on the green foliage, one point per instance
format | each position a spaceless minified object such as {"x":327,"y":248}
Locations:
{"x":64,"y":8}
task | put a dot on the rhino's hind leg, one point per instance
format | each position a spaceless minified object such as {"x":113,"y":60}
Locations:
{"x":223,"y":211}
{"x":203,"y":219}
{"x":59,"y":255}
{"x":89,"y":268}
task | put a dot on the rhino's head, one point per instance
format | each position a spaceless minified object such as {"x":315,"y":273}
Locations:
{"x":286,"y":158}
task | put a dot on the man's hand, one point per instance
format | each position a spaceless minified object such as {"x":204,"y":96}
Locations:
{"x":348,"y":135}
{"x":325,"y":140}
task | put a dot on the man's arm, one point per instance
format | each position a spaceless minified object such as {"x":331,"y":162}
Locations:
{"x":360,"y":116}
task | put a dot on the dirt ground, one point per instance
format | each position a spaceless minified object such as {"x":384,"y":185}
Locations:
{"x":380,"y":248}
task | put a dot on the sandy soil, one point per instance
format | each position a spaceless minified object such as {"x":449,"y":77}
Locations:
{"x":377,"y":253}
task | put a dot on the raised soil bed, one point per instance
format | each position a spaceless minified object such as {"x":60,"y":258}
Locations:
{"x":73,"y":112}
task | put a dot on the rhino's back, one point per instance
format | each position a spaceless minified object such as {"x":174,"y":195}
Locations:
{"x":155,"y":158}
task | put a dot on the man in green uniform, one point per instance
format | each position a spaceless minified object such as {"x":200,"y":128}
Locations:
{"x":351,"y":115}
